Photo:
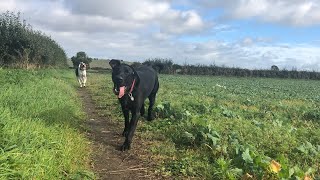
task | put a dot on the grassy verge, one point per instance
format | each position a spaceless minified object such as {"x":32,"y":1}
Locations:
{"x":39,"y":120}
{"x":229,"y":128}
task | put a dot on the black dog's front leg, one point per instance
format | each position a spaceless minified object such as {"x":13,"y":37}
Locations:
{"x":125,"y":112}
{"x":142,"y":111}
{"x":132,"y":128}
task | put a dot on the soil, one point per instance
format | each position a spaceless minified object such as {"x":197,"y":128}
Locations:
{"x":107,"y":161}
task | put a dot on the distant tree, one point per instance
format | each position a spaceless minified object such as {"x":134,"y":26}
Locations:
{"x":166,"y":66}
{"x":80,"y":57}
{"x":274,"y":68}
{"x":136,"y":64}
{"x":161,"y":65}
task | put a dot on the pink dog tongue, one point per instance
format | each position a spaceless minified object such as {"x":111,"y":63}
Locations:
{"x":121,"y":92}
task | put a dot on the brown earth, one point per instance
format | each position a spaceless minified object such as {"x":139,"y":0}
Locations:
{"x":107,"y":161}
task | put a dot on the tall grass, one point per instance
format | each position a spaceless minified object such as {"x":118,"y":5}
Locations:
{"x":39,"y":119}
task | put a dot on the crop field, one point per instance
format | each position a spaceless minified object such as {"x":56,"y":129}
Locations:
{"x":228,"y":128}
{"x":95,"y":64}
{"x":40,"y":118}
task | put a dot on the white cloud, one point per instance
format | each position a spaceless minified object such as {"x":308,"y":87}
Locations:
{"x":107,"y":15}
{"x":179,"y":22}
{"x":287,"y":56}
{"x":141,"y":12}
{"x":141,"y":29}
{"x":247,"y":41}
{"x":288,"y":12}
{"x":7,"y":5}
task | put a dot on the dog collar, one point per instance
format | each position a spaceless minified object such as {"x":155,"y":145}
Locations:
{"x":131,"y":89}
{"x":133,"y":83}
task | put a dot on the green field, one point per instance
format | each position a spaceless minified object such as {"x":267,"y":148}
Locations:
{"x":97,"y":64}
{"x":228,"y":128}
{"x":40,"y":117}
{"x":104,"y":64}
{"x":206,"y":127}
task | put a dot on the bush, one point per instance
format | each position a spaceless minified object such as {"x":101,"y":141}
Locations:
{"x":23,"y":47}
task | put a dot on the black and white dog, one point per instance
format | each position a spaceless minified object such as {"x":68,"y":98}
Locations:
{"x":81,"y":74}
{"x":133,"y":87}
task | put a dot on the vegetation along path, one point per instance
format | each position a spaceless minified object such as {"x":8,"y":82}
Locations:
{"x":241,"y":127}
{"x":108,"y":162}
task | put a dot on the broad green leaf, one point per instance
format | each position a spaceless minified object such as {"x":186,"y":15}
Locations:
{"x":246,"y":156}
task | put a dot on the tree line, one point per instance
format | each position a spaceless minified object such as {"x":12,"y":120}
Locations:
{"x":23,"y":47}
{"x":81,"y":56}
{"x":166,"y":66}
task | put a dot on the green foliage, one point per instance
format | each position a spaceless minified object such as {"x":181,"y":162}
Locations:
{"x":246,"y":122}
{"x":160,"y":65}
{"x":224,"y":170}
{"x":166,"y":66}
{"x":39,"y":121}
{"x":23,"y":47}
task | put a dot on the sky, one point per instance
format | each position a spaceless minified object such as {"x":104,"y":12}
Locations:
{"x":253,"y":34}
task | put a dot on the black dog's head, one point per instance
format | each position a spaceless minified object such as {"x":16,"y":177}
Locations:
{"x":123,"y":76}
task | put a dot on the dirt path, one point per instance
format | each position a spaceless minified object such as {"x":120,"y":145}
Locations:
{"x":108,"y":162}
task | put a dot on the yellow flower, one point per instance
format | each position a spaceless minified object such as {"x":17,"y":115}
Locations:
{"x":307,"y":178}
{"x":247,"y":176}
{"x":275,"y":166}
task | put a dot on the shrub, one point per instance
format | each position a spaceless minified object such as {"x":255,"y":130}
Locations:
{"x":23,"y":47}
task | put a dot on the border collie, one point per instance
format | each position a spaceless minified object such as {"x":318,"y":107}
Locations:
{"x":81,"y":74}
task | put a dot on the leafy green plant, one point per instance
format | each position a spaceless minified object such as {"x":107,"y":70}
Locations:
{"x":224,"y":170}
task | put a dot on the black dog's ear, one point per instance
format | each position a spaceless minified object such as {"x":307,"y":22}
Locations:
{"x":114,"y":62}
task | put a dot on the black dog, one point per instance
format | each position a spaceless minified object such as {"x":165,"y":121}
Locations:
{"x":133,"y":87}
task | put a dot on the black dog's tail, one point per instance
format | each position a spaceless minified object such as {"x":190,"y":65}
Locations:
{"x":77,"y":72}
